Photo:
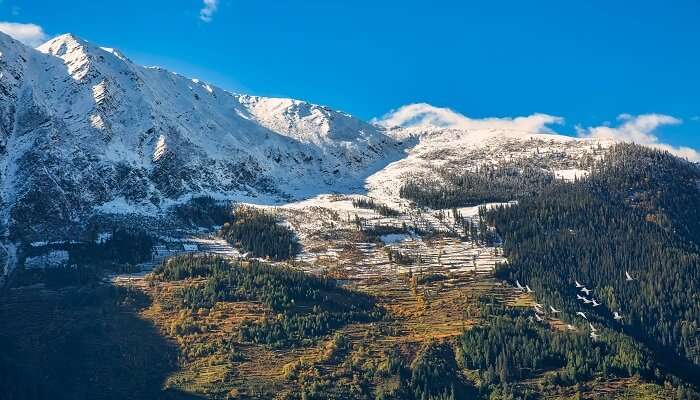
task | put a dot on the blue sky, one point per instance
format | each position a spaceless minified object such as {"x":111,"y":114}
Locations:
{"x":596,"y":64}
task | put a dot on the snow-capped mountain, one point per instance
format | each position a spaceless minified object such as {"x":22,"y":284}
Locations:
{"x":84,"y":130}
{"x":88,"y":136}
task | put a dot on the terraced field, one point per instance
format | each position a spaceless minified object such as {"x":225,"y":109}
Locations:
{"x":434,"y":298}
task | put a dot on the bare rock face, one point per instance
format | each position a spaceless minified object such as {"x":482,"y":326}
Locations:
{"x":84,"y":132}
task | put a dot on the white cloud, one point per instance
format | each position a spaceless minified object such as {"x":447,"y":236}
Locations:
{"x":640,"y":129}
{"x":425,"y":115}
{"x":208,"y":10}
{"x":29,"y":34}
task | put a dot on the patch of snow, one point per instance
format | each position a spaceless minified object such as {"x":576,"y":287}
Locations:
{"x":394,"y":238}
{"x":103,"y":237}
{"x":121,"y":206}
{"x":161,"y":148}
{"x":571,"y":175}
{"x":468,"y":212}
{"x":97,"y":122}
{"x":52,"y":259}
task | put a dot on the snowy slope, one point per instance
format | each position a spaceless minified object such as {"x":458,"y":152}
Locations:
{"x":85,"y":130}
{"x":433,"y":147}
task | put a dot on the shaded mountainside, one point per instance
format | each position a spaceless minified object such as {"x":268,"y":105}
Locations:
{"x":82,"y":343}
{"x":85,"y":130}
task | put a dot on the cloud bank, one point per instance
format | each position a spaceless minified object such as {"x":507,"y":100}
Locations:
{"x":638,"y":129}
{"x":208,"y":10}
{"x":29,"y":34}
{"x":425,"y":115}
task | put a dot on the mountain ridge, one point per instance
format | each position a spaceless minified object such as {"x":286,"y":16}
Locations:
{"x":86,"y":132}
{"x":84,"y":127}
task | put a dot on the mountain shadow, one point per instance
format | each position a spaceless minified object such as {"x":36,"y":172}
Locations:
{"x":81,"y":343}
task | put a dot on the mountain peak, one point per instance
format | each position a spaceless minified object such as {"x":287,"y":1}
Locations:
{"x":69,"y":36}
{"x":82,"y":58}
{"x":62,"y":44}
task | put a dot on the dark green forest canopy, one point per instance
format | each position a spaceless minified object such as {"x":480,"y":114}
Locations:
{"x":306,"y":306}
{"x":203,"y":211}
{"x":513,"y":347}
{"x":498,"y":183}
{"x":261,"y":233}
{"x":636,"y":212}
